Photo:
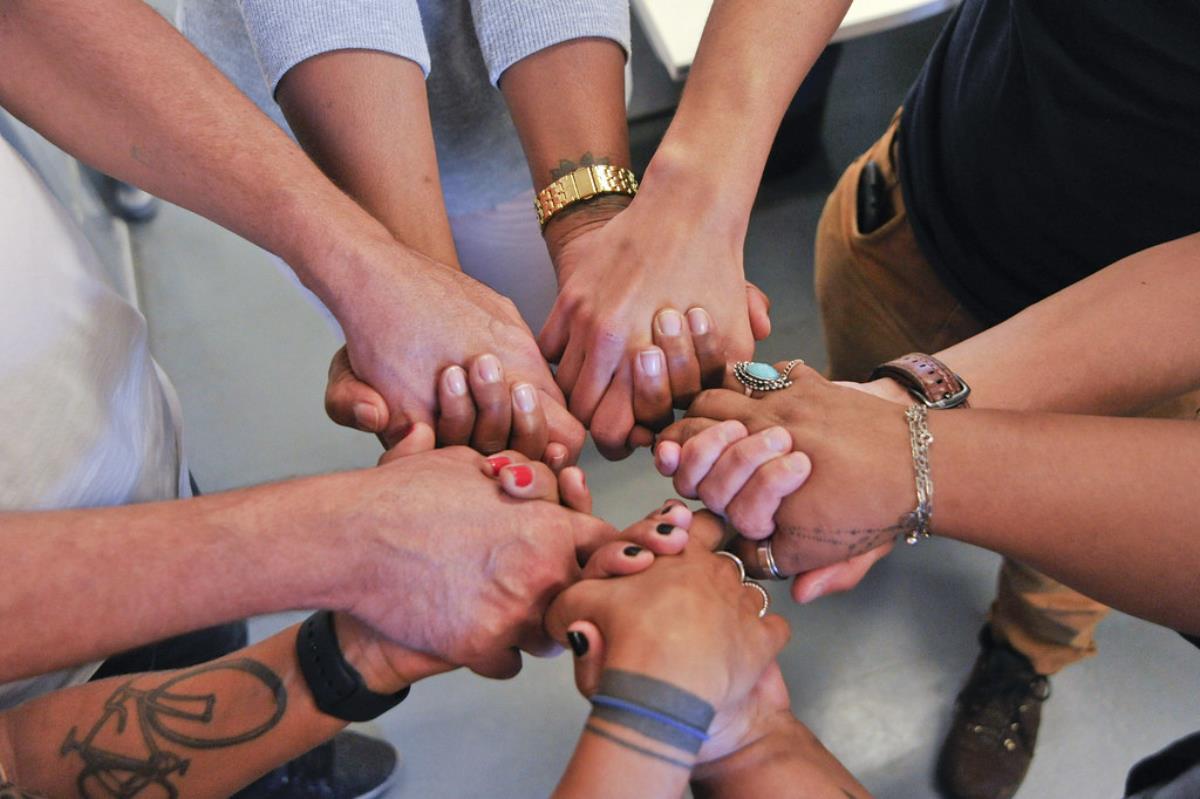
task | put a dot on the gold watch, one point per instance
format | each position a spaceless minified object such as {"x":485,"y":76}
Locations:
{"x":582,"y":184}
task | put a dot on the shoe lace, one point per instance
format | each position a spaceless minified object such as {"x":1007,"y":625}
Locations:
{"x":1003,"y":694}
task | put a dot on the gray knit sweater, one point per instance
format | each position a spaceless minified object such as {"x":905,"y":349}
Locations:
{"x":462,"y":45}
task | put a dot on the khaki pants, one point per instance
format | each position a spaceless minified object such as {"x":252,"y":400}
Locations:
{"x":879,"y":299}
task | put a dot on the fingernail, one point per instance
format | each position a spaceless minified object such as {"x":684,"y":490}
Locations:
{"x":578,"y":642}
{"x":632,"y":551}
{"x":778,"y":439}
{"x":670,"y":323}
{"x":651,"y":361}
{"x":524,"y":399}
{"x":498,"y":462}
{"x":522,"y":475}
{"x":814,"y":591}
{"x":456,"y":381}
{"x":366,"y":415}
{"x":489,"y":368}
{"x":796,"y":463}
{"x":665,"y":529}
{"x":698,"y":321}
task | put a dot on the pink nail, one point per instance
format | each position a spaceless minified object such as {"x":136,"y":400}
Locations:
{"x":456,"y":381}
{"x":651,"y":361}
{"x":524,"y":399}
{"x":670,"y":322}
{"x":489,"y":369}
{"x":699,"y":322}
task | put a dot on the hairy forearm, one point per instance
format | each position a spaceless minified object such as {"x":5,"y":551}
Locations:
{"x":204,"y":731}
{"x":106,"y":580}
{"x":1116,"y":343}
{"x":752,"y":58}
{"x":115,"y":85}
{"x":788,"y":761}
{"x":363,"y":116}
{"x":1106,"y":506}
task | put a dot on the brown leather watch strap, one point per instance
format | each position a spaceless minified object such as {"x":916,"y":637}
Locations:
{"x":927,"y":379}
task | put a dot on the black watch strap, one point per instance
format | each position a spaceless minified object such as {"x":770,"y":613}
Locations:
{"x":336,"y":686}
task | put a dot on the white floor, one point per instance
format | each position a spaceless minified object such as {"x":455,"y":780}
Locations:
{"x":874,"y":672}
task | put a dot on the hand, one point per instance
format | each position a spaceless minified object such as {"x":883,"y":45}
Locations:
{"x":635,"y":278}
{"x":686,"y":620}
{"x":854,"y":446}
{"x":455,"y":567}
{"x":475,"y":407}
{"x":413,"y":325}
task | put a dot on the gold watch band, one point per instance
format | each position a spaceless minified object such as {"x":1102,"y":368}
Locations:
{"x":582,"y":184}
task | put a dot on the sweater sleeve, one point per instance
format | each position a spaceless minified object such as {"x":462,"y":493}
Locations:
{"x":510,"y":30}
{"x":286,"y":32}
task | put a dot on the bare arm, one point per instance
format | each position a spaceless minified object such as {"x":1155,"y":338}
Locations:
{"x":114,"y":84}
{"x":787,"y":761}
{"x":1114,"y":343}
{"x":204,"y":731}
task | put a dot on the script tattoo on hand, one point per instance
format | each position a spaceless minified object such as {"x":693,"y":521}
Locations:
{"x":566,"y":166}
{"x":134,"y":746}
{"x":854,"y":541}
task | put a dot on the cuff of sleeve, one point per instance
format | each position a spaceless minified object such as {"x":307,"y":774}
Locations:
{"x":510,"y":31}
{"x":286,"y":32}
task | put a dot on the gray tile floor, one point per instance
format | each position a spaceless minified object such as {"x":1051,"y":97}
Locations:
{"x":874,"y":672}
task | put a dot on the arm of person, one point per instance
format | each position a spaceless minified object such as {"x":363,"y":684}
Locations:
{"x":1117,"y":342}
{"x":787,"y":759}
{"x":200,"y":732}
{"x":678,"y":245}
{"x":115,"y":85}
{"x":1101,"y":504}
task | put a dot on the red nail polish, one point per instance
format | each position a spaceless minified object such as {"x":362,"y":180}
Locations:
{"x":498,"y":462}
{"x":522,"y":475}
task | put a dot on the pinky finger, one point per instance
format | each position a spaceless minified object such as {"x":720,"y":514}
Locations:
{"x":836,"y":577}
{"x":573,"y":490}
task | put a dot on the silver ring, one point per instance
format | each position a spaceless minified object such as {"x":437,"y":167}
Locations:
{"x":765,"y":596}
{"x":741,"y":567}
{"x":757,"y":376}
{"x":766,"y":559}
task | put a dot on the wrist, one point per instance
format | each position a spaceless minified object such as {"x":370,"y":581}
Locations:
{"x":714,"y":187}
{"x":363,"y":650}
{"x":888,"y":389}
{"x":777,"y":735}
{"x":583,"y":217}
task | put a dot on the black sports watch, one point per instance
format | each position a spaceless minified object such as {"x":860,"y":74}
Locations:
{"x":336,"y":686}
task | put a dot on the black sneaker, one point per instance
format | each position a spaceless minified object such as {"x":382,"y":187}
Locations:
{"x":350,"y":766}
{"x":996,"y":718}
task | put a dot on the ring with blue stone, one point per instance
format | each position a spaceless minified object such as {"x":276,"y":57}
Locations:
{"x":757,"y":376}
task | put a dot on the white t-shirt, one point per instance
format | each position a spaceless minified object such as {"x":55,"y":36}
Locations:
{"x":87,"y":418}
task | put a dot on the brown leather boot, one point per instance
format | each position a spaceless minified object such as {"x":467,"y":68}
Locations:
{"x":996,"y":717}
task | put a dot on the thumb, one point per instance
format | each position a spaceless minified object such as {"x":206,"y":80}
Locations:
{"x":351,"y":402}
{"x":587,"y":644}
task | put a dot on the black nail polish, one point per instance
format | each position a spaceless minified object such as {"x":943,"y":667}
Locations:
{"x":632,"y":551}
{"x":578,"y":642}
{"x":665,"y":529}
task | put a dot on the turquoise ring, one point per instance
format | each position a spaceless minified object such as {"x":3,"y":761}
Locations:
{"x":757,"y":376}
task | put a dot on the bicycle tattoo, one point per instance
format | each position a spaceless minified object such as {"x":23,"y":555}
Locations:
{"x":122,"y":761}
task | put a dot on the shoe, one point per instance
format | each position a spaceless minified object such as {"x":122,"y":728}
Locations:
{"x":350,"y":766}
{"x":996,"y":718}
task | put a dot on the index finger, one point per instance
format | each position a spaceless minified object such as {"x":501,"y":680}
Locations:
{"x":722,"y":404}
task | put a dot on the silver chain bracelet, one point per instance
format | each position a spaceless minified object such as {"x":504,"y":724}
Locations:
{"x":916,"y":523}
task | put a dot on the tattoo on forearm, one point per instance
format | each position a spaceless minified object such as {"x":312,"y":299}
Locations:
{"x":135,"y":744}
{"x":854,"y":541}
{"x":566,"y":167}
{"x":10,"y":791}
{"x":641,"y":750}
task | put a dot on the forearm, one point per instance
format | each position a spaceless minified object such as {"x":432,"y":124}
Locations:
{"x":363,"y":116}
{"x":244,"y":714}
{"x":1116,"y":343}
{"x":105,"y":580}
{"x":1106,"y":506}
{"x":115,"y":85}
{"x":612,"y":762}
{"x":752,"y":58}
{"x":788,"y":761}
